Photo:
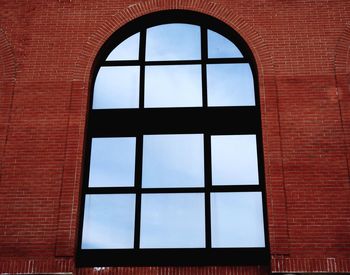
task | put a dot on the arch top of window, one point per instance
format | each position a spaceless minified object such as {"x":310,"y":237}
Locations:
{"x":175,"y":41}
{"x":186,"y":61}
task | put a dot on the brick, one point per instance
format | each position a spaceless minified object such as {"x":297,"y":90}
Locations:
{"x":47,"y":52}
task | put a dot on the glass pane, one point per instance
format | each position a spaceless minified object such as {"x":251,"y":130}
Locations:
{"x":112,"y":162}
{"x":172,"y":221}
{"x":117,"y":87}
{"x":230,"y":85}
{"x":234,"y":160}
{"x":173,"y":86}
{"x":237,"y":220}
{"x":127,"y":50}
{"x":173,"y":161}
{"x":173,"y":42}
{"x":109,"y":221}
{"x":220,"y":47}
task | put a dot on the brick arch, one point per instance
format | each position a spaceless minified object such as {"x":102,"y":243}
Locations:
{"x":257,"y":45}
{"x":269,"y":105}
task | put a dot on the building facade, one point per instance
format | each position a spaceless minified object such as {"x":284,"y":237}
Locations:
{"x":49,"y":52}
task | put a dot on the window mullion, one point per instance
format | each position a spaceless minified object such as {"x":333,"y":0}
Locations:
{"x":208,"y":184}
{"x":204,"y":54}
{"x":138,"y":179}
{"x":142,"y":54}
{"x":139,"y":143}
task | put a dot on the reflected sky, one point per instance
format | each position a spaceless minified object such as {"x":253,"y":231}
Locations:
{"x":220,"y":47}
{"x":173,"y":161}
{"x":172,"y":221}
{"x":127,"y":50}
{"x":112,"y":162}
{"x":237,"y":220}
{"x":173,"y":42}
{"x":234,"y":160}
{"x":117,"y":87}
{"x":173,"y":86}
{"x":109,"y":221}
{"x":230,"y":85}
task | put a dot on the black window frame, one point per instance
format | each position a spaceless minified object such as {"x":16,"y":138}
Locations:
{"x":237,"y":120}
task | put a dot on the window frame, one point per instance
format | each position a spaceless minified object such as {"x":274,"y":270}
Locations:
{"x":204,"y":120}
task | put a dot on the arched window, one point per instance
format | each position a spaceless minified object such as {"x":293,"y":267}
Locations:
{"x":174,"y":166}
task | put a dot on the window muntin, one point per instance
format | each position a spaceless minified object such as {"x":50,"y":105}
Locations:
{"x":207,"y":110}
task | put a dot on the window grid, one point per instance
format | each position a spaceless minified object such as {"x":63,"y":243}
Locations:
{"x":99,"y":127}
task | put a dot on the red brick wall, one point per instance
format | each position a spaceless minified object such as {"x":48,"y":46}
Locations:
{"x":47,"y":48}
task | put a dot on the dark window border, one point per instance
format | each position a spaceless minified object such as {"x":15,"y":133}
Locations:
{"x":143,"y":121}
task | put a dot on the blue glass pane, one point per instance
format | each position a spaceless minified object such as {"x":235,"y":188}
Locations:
{"x":173,"y":161}
{"x":230,"y":85}
{"x":220,"y":47}
{"x":112,"y":162}
{"x":237,"y":220}
{"x":234,"y":160}
{"x":172,"y":221}
{"x":173,"y":86}
{"x":127,"y":50}
{"x":173,"y":42}
{"x":117,"y":87}
{"x":109,"y":221}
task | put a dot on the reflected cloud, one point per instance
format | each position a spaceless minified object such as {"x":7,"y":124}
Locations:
{"x":173,"y":42}
{"x":230,"y":85}
{"x":109,"y":221}
{"x":112,"y":162}
{"x":117,"y":87}
{"x":234,"y":160}
{"x":237,"y":220}
{"x":220,"y":47}
{"x":173,"y":161}
{"x":172,"y":221}
{"x":173,"y":86}
{"x":127,"y":50}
